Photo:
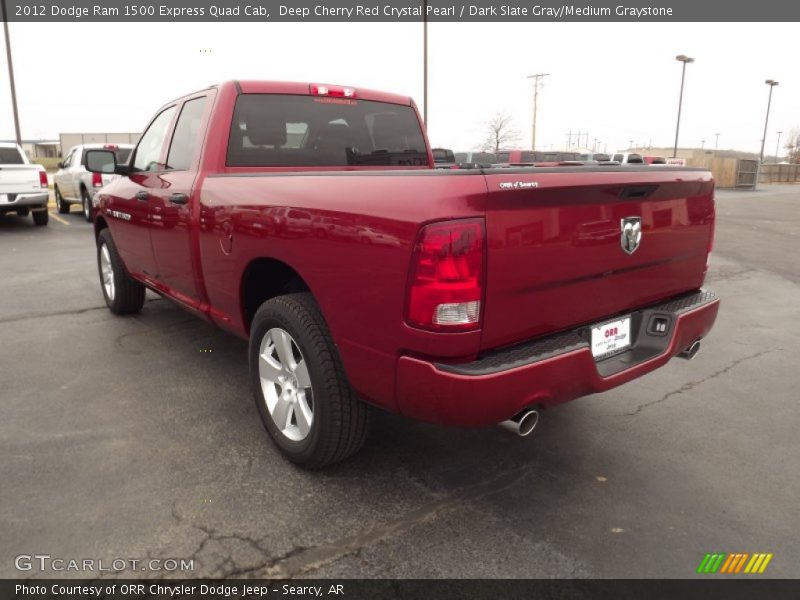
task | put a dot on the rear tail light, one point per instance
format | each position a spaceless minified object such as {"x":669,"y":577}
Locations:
{"x":332,"y":90}
{"x":446,"y":276}
{"x":111,"y":147}
{"x":43,"y":179}
{"x":97,"y":180}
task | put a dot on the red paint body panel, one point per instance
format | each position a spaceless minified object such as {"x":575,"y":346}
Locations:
{"x":553,"y":257}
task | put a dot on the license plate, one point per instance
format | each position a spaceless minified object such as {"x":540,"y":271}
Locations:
{"x":611,"y":338}
{"x":3,"y":197}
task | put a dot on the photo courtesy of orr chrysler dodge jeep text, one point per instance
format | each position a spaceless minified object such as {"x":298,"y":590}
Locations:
{"x":310,"y":220}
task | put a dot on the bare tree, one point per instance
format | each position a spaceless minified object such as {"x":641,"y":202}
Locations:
{"x":500,"y":133}
{"x":793,"y":146}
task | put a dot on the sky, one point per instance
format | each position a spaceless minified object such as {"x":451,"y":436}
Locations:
{"x":618,"y":82}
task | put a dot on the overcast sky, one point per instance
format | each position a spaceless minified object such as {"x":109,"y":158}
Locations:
{"x":619,"y":82}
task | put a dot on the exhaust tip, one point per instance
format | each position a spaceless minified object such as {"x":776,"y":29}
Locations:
{"x":690,"y":352}
{"x":523,"y":423}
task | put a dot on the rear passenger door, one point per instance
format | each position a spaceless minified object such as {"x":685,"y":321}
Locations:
{"x":174,"y":204}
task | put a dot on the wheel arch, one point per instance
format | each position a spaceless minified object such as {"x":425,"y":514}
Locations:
{"x":264,"y":278}
{"x":100,"y":223}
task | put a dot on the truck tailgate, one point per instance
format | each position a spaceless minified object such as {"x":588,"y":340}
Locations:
{"x":556,"y":258}
{"x":19,"y":179}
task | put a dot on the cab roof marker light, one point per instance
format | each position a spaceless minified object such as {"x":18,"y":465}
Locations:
{"x":332,"y":90}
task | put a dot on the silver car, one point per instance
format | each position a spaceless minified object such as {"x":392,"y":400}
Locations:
{"x":73,"y":184}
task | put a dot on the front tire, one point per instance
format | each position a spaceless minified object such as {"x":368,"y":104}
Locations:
{"x":123,"y":294}
{"x":301,"y":391}
{"x":86,"y":205}
{"x":40,"y":217}
{"x":61,"y":204}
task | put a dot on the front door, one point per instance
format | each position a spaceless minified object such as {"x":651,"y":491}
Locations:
{"x":128,"y":209}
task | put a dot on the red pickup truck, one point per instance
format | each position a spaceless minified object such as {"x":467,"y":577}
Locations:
{"x":310,"y":220}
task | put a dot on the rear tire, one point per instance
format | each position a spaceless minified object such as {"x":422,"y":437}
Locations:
{"x":61,"y":204}
{"x":86,"y":205}
{"x":122,"y":293}
{"x":41,"y":217}
{"x":339,"y":420}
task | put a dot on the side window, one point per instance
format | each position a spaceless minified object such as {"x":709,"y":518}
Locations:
{"x":149,"y":149}
{"x":618,"y":157}
{"x":184,"y":140}
{"x":67,"y":162}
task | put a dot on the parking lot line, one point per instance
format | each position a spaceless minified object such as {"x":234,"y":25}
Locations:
{"x":59,"y":219}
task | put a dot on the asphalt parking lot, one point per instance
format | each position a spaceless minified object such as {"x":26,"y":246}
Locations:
{"x":138,"y":437}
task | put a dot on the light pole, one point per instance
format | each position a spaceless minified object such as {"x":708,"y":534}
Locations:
{"x":771,"y":83}
{"x":777,"y":146}
{"x":684,"y":59}
{"x":536,"y":78}
{"x":716,"y":143}
{"x":702,"y":144}
{"x":11,"y":74}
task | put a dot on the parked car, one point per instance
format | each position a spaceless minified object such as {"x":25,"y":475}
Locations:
{"x":522,"y":158}
{"x":23,"y":186}
{"x":495,"y":294}
{"x":600,"y":157}
{"x":443,"y":158}
{"x":477,"y":159}
{"x":73,"y":184}
{"x":628,"y":158}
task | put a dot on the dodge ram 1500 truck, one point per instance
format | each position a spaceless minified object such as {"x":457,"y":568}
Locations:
{"x":310,"y":220}
{"x":23,"y":186}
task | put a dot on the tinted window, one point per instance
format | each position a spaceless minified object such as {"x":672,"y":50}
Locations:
{"x":123,"y":154}
{"x":618,"y":157}
{"x":442,"y":155}
{"x":527,"y":157}
{"x":461,"y":157}
{"x":336,"y":132}
{"x":635,"y":159}
{"x":184,"y":140}
{"x":502,"y":157}
{"x":148,"y":152}
{"x":10,"y":156}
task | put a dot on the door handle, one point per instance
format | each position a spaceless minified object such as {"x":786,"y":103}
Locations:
{"x":143,"y":196}
{"x":179,"y":198}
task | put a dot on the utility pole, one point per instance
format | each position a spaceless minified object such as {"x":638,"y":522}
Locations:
{"x":536,"y":78}
{"x":11,"y":73}
{"x":777,"y":146}
{"x":702,"y":144}
{"x":716,"y":142}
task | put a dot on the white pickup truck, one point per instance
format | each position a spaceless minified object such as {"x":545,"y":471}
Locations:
{"x":23,"y":186}
{"x":73,"y":184}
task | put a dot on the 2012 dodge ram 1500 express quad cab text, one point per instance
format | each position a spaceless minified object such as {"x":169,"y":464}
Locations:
{"x":310,"y":220}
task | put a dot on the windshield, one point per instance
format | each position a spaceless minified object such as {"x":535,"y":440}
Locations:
{"x":279,"y":130}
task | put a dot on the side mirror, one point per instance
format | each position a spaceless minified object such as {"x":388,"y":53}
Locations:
{"x":100,"y":161}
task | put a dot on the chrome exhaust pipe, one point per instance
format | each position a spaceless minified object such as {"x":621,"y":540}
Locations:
{"x":522,"y":423}
{"x":688,"y":353}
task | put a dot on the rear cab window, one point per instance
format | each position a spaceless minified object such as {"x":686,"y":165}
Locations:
{"x":11,"y":156}
{"x":283,"y":130}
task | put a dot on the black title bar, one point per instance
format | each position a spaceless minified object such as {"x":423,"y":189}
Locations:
{"x":400,"y":11}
